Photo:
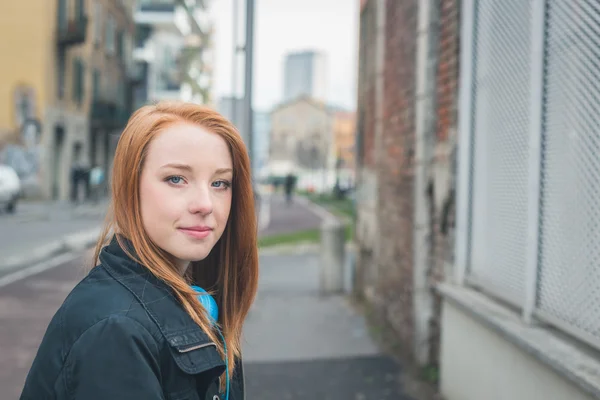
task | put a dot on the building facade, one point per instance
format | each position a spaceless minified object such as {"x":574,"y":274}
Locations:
{"x":344,"y":136}
{"x":305,"y":74}
{"x":66,"y":88}
{"x":405,"y":149}
{"x":476,"y":223}
{"x":173,"y":51}
{"x":301,"y":141}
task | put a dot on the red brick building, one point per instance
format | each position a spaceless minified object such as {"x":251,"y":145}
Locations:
{"x":387,"y":166}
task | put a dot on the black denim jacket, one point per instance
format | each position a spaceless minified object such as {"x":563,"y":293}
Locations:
{"x":122,"y":335}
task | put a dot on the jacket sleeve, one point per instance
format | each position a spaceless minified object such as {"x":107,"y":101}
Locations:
{"x":115,"y":359}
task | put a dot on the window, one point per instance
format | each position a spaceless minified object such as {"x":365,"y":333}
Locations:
{"x":128,"y":48}
{"x":121,"y":96}
{"x":78,"y":80}
{"x":61,"y":72}
{"x":96,"y":85}
{"x":98,"y":23}
{"x":110,"y":34}
{"x":62,"y":15}
{"x":81,"y":10}
{"x":120,"y":44}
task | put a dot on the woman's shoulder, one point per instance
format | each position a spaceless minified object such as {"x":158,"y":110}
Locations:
{"x":99,"y":299}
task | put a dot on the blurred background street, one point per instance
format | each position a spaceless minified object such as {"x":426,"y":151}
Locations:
{"x":293,"y":335}
{"x":426,"y":176}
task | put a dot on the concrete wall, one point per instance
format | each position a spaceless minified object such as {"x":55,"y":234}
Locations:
{"x":478,"y":363}
{"x":370,"y":94}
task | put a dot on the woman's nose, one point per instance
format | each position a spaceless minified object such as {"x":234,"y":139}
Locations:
{"x":201,"y":202}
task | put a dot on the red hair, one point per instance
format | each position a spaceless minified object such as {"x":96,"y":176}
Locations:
{"x":231,"y":268}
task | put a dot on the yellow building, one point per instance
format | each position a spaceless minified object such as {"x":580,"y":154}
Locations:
{"x":65,"y":87}
{"x":344,"y":125}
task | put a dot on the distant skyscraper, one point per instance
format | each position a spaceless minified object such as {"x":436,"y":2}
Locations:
{"x":305,"y":74}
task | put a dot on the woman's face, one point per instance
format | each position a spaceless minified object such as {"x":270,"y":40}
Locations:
{"x":185,"y":191}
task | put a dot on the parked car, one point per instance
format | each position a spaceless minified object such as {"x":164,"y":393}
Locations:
{"x":10,"y":188}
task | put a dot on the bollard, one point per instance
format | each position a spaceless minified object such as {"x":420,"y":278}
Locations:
{"x":332,"y":256}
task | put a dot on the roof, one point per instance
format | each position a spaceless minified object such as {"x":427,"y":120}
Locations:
{"x":304,"y":98}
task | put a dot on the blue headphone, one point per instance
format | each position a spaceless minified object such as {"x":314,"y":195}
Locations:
{"x":212,"y":309}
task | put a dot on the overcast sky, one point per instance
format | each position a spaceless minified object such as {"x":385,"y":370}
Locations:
{"x":282,"y":26}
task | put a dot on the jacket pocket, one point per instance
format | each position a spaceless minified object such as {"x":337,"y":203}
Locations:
{"x":199,"y":366}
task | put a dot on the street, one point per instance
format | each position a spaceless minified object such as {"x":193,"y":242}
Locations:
{"x":297,"y":344}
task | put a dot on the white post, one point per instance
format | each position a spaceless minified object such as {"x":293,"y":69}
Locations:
{"x":426,"y":60}
{"x":332,"y":256}
{"x":535,"y":155}
{"x":465,"y":140}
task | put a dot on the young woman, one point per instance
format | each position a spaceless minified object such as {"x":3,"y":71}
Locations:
{"x":140,"y":325}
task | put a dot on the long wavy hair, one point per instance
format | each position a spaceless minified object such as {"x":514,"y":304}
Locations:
{"x":231,"y":269}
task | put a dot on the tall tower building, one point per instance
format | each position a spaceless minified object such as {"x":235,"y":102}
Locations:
{"x":305,"y":74}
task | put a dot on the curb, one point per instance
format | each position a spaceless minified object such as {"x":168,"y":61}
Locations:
{"x":317,"y":209}
{"x":322,"y":212}
{"x":72,"y":242}
{"x":298,"y":249}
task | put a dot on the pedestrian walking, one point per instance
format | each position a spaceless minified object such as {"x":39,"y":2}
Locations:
{"x":289,"y":186}
{"x":160,"y":316}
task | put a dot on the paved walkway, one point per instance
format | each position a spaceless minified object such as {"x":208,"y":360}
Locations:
{"x":301,"y":345}
{"x":289,"y":218}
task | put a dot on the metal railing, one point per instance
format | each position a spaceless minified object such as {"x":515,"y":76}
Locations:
{"x":73,"y":32}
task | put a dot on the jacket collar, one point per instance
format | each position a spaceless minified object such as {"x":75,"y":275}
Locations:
{"x":154,"y":295}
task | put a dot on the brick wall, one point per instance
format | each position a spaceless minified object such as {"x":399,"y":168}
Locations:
{"x":447,"y":74}
{"x":385,"y":258}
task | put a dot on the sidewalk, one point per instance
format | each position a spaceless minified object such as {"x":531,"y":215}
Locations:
{"x":40,"y":230}
{"x":301,"y":345}
{"x":294,"y":217}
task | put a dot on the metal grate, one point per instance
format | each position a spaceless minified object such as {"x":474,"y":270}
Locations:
{"x":501,"y":132}
{"x":569,"y":287}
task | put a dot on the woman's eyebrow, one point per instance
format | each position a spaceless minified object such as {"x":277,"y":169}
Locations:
{"x":184,"y":167}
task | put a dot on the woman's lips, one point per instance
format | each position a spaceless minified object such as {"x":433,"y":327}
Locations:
{"x":199,"y":232}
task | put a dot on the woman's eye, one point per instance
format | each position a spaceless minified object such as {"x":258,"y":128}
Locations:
{"x":174,"y":180}
{"x":221,"y":184}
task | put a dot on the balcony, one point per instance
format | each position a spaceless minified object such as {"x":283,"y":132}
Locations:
{"x":157,"y":6}
{"x":156,"y":13}
{"x":107,"y":114}
{"x":72,"y":32}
